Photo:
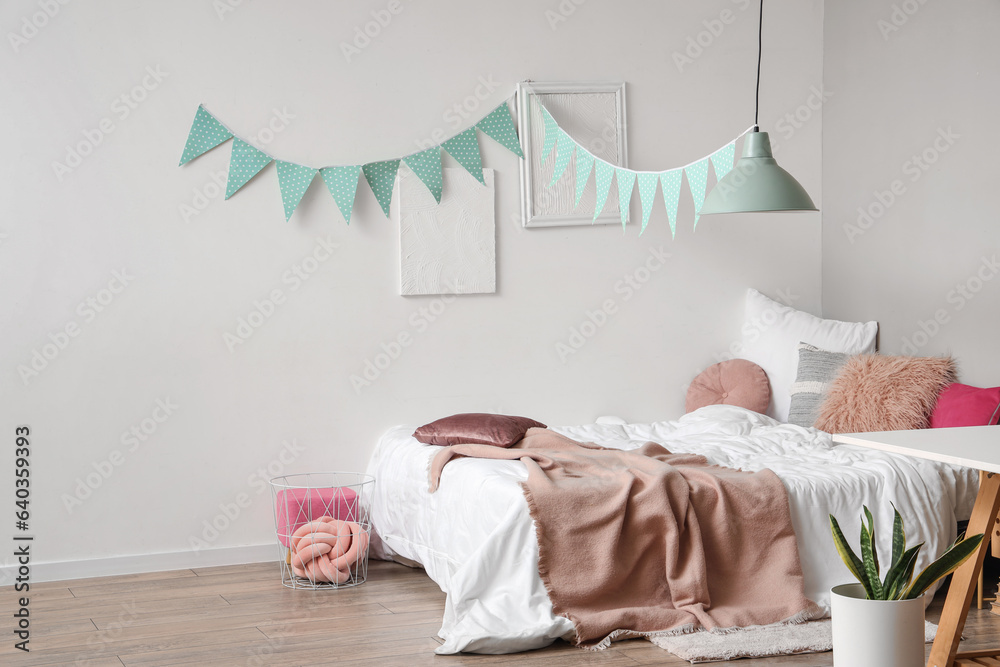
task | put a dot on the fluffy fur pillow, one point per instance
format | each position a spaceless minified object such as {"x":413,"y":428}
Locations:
{"x":880,"y":393}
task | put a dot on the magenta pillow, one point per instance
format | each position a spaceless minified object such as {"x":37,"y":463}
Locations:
{"x":476,"y":428}
{"x":734,"y":382}
{"x":962,"y":405}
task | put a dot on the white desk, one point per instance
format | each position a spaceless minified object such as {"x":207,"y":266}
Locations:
{"x":975,"y":447}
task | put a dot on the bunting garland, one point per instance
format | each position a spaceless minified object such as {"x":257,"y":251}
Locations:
{"x":246,"y":161}
{"x":669,"y":181}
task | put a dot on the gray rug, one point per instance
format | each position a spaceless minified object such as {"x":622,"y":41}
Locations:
{"x":760,"y":642}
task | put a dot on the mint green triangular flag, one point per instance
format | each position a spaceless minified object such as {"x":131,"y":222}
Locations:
{"x":244,"y":163}
{"x":464,"y":148}
{"x":647,"y":192}
{"x":381,"y":176}
{"x":584,"y":163}
{"x":670,"y":181}
{"x":564,"y":151}
{"x":499,"y":126}
{"x":602,"y":180}
{"x":427,"y":166}
{"x":294,"y":180}
{"x":626,"y":182}
{"x":342,"y":182}
{"x":697,"y":175}
{"x":206,"y":133}
{"x":551,"y":133}
{"x":722,"y":160}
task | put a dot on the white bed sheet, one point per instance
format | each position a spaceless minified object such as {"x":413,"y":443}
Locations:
{"x":475,"y":538}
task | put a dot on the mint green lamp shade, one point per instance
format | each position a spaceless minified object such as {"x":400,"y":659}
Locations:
{"x":757,"y":183}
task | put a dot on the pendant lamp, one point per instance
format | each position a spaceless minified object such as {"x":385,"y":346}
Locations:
{"x":757,"y":183}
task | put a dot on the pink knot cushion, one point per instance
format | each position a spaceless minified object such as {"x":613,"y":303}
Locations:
{"x":326,"y":549}
{"x":296,"y":507}
{"x":735,"y":382}
{"x":873,"y":392}
{"x":962,"y":405}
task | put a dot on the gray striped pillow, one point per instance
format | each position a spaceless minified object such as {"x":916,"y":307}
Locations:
{"x":817,"y":369}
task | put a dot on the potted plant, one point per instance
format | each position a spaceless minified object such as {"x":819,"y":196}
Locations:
{"x":880,"y":622}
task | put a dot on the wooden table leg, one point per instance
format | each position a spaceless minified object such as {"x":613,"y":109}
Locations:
{"x":965,"y":578}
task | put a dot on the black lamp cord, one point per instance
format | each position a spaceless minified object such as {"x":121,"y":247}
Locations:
{"x":760,"y":32}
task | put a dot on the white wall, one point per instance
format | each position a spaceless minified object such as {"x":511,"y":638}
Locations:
{"x":161,"y":337}
{"x":909,"y":139}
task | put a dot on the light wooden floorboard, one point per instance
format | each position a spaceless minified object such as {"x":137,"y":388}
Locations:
{"x":242,"y":615}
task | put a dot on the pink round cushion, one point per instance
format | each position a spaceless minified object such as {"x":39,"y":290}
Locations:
{"x":735,"y":382}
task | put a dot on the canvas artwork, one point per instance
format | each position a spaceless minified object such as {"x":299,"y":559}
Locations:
{"x":447,"y":248}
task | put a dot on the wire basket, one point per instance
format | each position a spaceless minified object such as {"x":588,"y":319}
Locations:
{"x":323,"y":528}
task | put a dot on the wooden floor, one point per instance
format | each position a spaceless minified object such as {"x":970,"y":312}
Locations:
{"x":242,"y":615}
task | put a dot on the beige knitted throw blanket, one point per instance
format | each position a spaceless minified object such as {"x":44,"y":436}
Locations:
{"x":634,"y":543}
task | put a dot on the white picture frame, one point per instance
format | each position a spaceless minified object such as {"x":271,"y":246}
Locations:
{"x":593,"y":114}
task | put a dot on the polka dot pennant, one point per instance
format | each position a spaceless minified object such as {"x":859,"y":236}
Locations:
{"x":342,"y":182}
{"x":245,"y":163}
{"x":647,"y":192}
{"x":551,"y":133}
{"x":722,"y":160}
{"x":564,"y":151}
{"x":464,"y":148}
{"x":381,"y":176}
{"x":670,"y":181}
{"x":206,"y":133}
{"x":584,"y":164}
{"x":602,"y":179}
{"x":427,"y":166}
{"x":294,"y":180}
{"x":697,"y":175}
{"x":626,"y":182}
{"x":499,"y":126}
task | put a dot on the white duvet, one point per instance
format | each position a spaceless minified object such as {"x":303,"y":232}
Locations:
{"x":475,"y":538}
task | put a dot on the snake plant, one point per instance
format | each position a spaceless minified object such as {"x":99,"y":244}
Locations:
{"x":898,"y":583}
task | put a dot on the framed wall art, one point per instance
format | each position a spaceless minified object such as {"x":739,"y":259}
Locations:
{"x":591,"y":113}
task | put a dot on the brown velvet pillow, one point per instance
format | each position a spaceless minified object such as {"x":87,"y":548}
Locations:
{"x":733,"y":382}
{"x":476,"y":428}
{"x":880,"y":393}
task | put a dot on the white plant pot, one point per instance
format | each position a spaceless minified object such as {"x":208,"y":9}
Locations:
{"x":876,"y":633}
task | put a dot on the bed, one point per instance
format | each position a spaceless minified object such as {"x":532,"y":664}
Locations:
{"x":476,"y":540}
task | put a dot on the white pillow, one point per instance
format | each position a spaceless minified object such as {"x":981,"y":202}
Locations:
{"x":771,"y":335}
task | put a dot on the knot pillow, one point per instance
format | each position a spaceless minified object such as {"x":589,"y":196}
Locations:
{"x":735,"y":382}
